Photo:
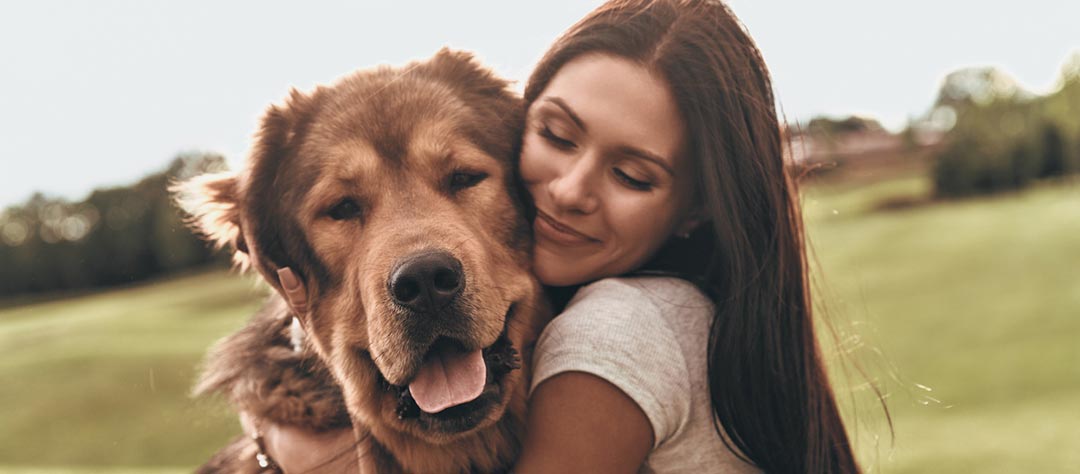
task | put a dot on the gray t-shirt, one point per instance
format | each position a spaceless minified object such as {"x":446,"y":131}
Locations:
{"x":648,"y":336}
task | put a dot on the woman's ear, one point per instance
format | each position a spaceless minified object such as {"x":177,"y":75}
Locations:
{"x":212,"y":202}
{"x":689,"y":223}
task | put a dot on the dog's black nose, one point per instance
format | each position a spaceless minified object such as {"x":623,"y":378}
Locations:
{"x":427,"y":281}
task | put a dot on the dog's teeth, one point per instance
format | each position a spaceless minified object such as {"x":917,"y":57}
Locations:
{"x":407,"y":407}
{"x":505,"y":360}
{"x":515,"y":359}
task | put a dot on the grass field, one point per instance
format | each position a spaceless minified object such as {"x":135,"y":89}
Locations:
{"x":977,"y":300}
{"x":103,"y":380}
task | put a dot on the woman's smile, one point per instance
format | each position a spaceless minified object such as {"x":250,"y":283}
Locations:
{"x":547,"y":227}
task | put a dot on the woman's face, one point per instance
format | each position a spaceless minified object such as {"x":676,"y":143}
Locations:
{"x":603,"y":157}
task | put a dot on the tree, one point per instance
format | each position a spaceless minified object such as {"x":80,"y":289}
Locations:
{"x":978,"y":86}
{"x":1053,"y":148}
{"x":1070,"y":70}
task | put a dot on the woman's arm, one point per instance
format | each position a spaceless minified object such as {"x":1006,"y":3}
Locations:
{"x":579,"y":422}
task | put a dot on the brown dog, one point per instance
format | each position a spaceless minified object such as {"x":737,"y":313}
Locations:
{"x":391,"y":196}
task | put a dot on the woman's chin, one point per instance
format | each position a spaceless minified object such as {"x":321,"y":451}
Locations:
{"x":553,"y":272}
{"x":556,"y":277}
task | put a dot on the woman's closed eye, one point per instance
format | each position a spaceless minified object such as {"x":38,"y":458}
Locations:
{"x":638,"y":184}
{"x":557,"y":141}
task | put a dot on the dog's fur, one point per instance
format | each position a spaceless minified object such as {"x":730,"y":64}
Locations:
{"x":343,"y":183}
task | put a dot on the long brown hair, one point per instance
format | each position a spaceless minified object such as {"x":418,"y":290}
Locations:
{"x":771,"y":398}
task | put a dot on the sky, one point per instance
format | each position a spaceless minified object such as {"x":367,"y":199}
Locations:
{"x":101,"y":93}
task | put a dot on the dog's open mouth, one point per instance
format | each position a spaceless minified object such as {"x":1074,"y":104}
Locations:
{"x":456,"y":389}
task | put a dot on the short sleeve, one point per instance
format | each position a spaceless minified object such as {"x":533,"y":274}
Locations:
{"x":612,"y":330}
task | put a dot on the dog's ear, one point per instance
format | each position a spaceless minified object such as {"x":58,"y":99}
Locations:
{"x":268,"y":197}
{"x":279,"y":126}
{"x":212,"y":202}
{"x":499,"y":112}
{"x":461,"y":69}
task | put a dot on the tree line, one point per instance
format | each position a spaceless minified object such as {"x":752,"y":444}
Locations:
{"x":115,"y":236}
{"x":1005,"y":138}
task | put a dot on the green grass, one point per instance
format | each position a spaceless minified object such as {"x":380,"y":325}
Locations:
{"x":978,"y":300}
{"x":102,"y":380}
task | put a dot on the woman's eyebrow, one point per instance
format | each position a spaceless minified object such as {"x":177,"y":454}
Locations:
{"x":566,"y":108}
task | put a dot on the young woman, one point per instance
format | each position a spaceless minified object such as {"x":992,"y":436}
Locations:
{"x":653,"y":155}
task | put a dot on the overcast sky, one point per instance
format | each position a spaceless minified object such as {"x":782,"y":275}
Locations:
{"x":97,"y":93}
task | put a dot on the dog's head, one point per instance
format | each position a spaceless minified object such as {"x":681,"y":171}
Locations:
{"x":392,"y":196}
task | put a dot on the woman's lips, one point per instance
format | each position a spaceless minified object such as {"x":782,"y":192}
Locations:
{"x":547,"y":227}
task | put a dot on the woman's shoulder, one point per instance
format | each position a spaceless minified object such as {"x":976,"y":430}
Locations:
{"x":667,"y":313}
{"x":660,"y":294}
{"x":621,"y":330}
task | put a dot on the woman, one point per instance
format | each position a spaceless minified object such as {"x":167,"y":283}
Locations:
{"x":653,"y":152}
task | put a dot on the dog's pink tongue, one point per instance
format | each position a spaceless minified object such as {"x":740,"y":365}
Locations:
{"x":449,"y":378}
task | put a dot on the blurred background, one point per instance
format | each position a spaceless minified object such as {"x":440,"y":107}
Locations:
{"x":938,"y":146}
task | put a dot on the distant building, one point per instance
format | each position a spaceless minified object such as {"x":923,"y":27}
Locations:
{"x":849,"y":146}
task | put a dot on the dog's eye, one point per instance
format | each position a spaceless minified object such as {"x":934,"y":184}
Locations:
{"x":462,"y":179}
{"x":346,"y":209}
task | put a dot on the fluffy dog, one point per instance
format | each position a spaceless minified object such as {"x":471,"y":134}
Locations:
{"x":384,"y":210}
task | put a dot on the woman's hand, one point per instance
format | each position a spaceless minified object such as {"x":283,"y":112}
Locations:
{"x":579,"y":422}
{"x":296,"y":450}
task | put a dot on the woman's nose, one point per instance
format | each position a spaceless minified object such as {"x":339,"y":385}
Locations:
{"x":573,"y":190}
